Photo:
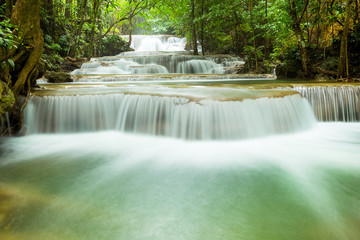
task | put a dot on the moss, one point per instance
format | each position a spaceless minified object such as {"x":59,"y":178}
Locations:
{"x":7,"y":98}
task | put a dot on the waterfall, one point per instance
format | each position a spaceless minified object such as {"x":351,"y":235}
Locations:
{"x":200,"y":66}
{"x":160,"y":54}
{"x":147,"y":43}
{"x":177,"y":117}
{"x":178,"y":64}
{"x":5,"y":127}
{"x":142,"y":160}
{"x":333,"y":103}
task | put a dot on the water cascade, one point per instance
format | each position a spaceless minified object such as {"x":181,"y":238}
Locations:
{"x":5,"y":125}
{"x":178,"y":117}
{"x":337,"y":103}
{"x":147,"y":159}
{"x":175,"y":64}
{"x":160,"y":55}
{"x":141,"y":43}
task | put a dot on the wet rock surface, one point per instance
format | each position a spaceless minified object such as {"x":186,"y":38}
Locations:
{"x":58,"y":77}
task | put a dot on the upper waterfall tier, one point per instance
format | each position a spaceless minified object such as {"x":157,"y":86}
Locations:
{"x":160,"y":54}
{"x":156,"y":43}
{"x":160,"y":64}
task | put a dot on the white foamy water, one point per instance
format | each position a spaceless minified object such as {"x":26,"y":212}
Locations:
{"x":113,"y":185}
{"x":178,"y":117}
{"x":333,"y":103}
{"x":159,"y":54}
{"x":152,"y":43}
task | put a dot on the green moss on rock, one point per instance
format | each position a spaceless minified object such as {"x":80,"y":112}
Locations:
{"x":7,"y":98}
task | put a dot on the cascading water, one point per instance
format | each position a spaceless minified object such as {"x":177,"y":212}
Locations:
{"x":168,"y":116}
{"x":5,"y":125}
{"x":339,"y":103}
{"x":170,"y":57}
{"x":149,"y":161}
{"x":154,"y":43}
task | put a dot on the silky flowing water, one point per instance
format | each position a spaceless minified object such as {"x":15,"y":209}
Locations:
{"x":181,"y":162}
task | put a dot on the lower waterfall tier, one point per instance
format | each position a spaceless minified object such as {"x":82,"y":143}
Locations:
{"x":333,"y":103}
{"x":179,"y":117}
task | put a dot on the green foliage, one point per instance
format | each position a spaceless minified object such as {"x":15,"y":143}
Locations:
{"x":52,"y":61}
{"x":113,"y":45}
{"x":7,"y":39}
{"x":331,"y":63}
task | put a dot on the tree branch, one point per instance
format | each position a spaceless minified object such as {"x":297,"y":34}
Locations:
{"x":303,"y":11}
{"x":131,"y":14}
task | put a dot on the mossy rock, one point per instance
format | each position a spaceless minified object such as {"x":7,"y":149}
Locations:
{"x":7,"y":98}
{"x":58,"y":77}
{"x":70,"y":64}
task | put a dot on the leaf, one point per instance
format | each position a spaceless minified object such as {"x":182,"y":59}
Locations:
{"x":11,"y":62}
{"x":3,"y":64}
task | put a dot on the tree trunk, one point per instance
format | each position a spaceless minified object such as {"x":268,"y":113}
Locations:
{"x":253,"y":35}
{"x":96,"y":6}
{"x":202,"y":28}
{"x":356,"y":11}
{"x":296,"y":21}
{"x":26,"y":56}
{"x":267,"y":40}
{"x":68,"y":9}
{"x":8,"y":9}
{"x":194,"y":38}
{"x":343,"y":67}
{"x":26,"y":16}
{"x":48,"y":8}
{"x":77,"y":29}
{"x":242,"y":39}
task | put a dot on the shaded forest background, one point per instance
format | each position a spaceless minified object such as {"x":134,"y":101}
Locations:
{"x":323,"y":37}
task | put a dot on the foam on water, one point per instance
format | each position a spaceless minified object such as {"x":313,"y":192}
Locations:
{"x":112,"y":185}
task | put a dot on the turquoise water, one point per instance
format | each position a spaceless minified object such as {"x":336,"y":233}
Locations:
{"x":112,"y":185}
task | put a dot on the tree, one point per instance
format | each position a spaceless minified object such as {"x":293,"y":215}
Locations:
{"x":193,"y":25}
{"x":28,"y":46}
{"x":296,"y":26}
{"x":343,"y":67}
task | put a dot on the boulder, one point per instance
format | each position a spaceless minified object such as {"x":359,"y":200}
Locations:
{"x":70,"y":64}
{"x":58,"y":77}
